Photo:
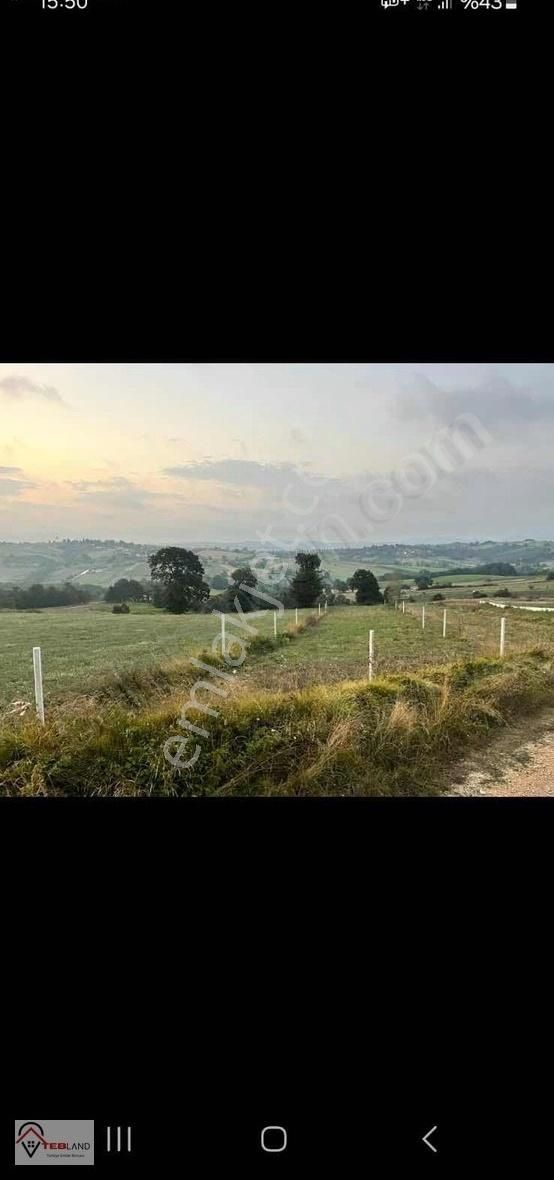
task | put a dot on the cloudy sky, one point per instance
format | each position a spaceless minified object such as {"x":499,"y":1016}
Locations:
{"x":340,"y":453}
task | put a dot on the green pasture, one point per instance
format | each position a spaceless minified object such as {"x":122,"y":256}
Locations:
{"x":82,"y":644}
{"x":338,"y":649}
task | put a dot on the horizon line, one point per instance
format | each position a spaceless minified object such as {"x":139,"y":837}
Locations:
{"x":249,"y":543}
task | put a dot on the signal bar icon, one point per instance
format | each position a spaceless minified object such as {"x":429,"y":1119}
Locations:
{"x":445,"y":4}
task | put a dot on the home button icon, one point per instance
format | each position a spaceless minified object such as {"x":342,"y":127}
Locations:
{"x":274,"y":1139}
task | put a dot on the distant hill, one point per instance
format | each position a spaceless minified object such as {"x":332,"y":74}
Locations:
{"x":94,"y":562}
{"x":459,"y":553}
{"x":99,"y":563}
{"x":90,"y":562}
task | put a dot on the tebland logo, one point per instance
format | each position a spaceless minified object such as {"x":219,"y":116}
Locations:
{"x":56,"y":1142}
{"x":31,"y":1135}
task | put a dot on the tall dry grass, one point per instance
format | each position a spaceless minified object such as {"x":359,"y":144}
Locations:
{"x":395,"y":736}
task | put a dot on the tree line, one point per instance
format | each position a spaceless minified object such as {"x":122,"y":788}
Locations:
{"x":502,"y":569}
{"x":179,"y":586}
{"x":38,"y":596}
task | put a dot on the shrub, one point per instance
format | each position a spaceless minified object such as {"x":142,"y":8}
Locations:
{"x":120,"y":608}
{"x":260,"y":644}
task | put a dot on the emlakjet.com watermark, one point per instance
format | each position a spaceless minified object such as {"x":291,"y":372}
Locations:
{"x":175,"y":745}
{"x":380,"y":501}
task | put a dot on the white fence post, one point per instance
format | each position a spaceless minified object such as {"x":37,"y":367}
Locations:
{"x":223,"y":635}
{"x":37,"y":668}
{"x":502,"y":634}
{"x":423,"y":618}
{"x":370,"y":656}
{"x":296,"y":613}
{"x":319,"y":609}
{"x":444,"y":624}
{"x":403,"y":607}
{"x":325,"y":606}
{"x":275,"y":622}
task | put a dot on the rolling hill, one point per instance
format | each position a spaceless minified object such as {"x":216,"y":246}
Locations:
{"x":94,"y":562}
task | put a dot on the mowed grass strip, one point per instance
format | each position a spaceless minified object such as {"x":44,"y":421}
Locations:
{"x":86,"y":649}
{"x":339,"y":650}
{"x":393,"y":737}
{"x":83,"y":646}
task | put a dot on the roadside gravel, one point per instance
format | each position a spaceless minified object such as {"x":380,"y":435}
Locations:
{"x":518,"y":762}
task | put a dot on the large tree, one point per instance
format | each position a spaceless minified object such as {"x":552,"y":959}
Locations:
{"x":392,"y":593}
{"x":177,"y":574}
{"x":125,"y":590}
{"x":243,"y":576}
{"x":307,"y":583}
{"x":366,"y":587}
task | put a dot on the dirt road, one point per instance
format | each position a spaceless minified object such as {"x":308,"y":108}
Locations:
{"x":517,"y":762}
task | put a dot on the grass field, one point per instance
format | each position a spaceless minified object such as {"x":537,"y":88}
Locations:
{"x":338,"y":650}
{"x":81,"y":645}
{"x":300,"y":717}
{"x":524,"y":588}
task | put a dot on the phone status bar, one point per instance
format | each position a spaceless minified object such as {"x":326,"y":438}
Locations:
{"x":452,"y":5}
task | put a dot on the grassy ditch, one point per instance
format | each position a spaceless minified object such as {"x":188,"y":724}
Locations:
{"x":394,"y":737}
